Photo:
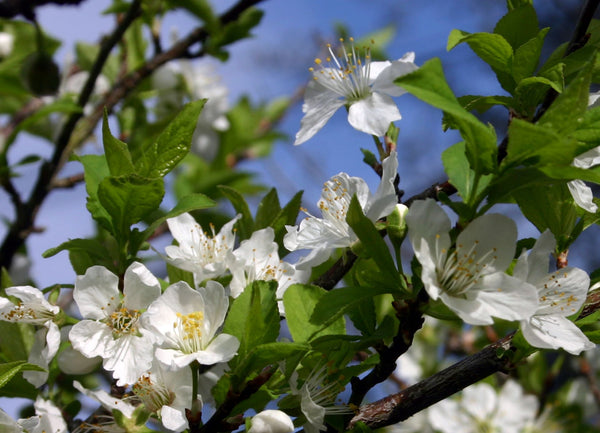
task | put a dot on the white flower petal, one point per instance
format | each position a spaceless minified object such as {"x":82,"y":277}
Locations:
{"x":384,"y":200}
{"x":385,"y":81}
{"x":216,"y":304}
{"x":131,"y":357}
{"x":555,"y":332}
{"x":563,"y":292}
{"x":221,"y":349}
{"x":479,"y":400}
{"x":582,"y":194}
{"x":271,"y":421}
{"x":319,"y":105}
{"x":106,"y":400}
{"x":507,"y":297}
{"x":96,"y":293}
{"x":491,"y":238}
{"x":140,"y":287}
{"x":91,"y":338}
{"x":373,"y":114}
{"x":173,"y":419}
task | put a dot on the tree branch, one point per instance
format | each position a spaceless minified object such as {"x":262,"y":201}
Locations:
{"x":491,"y":359}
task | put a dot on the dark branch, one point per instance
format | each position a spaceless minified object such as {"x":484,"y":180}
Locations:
{"x":26,"y":8}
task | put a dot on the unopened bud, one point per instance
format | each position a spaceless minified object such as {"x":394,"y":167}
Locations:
{"x":396,"y":223}
{"x":271,"y":421}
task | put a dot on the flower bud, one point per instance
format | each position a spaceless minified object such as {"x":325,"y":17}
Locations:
{"x":396,"y":223}
{"x":271,"y":421}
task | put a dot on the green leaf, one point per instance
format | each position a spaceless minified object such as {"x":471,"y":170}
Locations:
{"x":373,"y":243}
{"x":336,"y":303}
{"x":549,"y":207}
{"x":201,"y":9}
{"x":568,"y":110}
{"x":246,"y":223}
{"x":460,"y":174}
{"x":299,"y":301}
{"x":254,"y":317}
{"x":268,"y":208}
{"x":172,"y":144}
{"x":116,"y":152}
{"x":186,"y":204}
{"x":429,"y":84}
{"x":534,"y":144}
{"x":518,"y":26}
{"x":95,"y":170}
{"x":10,"y":369}
{"x":492,"y":48}
{"x":527,"y":56}
{"x":268,"y":354}
{"x":588,"y":129}
{"x":128,"y":199}
{"x":92,"y":251}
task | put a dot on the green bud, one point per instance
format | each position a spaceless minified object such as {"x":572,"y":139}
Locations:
{"x":396,"y":223}
{"x":40,"y":74}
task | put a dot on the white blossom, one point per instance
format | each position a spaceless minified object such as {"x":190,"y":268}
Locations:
{"x":112,"y":328}
{"x":471,"y":278}
{"x":350,"y":80}
{"x":35,"y":309}
{"x":187,"y":322}
{"x":481,"y":409}
{"x":317,"y":398}
{"x":323,"y":235}
{"x":561,"y":294}
{"x":257,"y":259}
{"x":167,"y":394}
{"x":198,"y":252}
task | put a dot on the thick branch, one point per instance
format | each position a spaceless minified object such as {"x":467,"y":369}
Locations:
{"x":398,"y":407}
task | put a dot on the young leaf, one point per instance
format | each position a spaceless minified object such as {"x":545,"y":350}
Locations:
{"x":253,"y":317}
{"x":299,"y":301}
{"x":518,"y":26}
{"x":10,"y":369}
{"x":246,"y":223}
{"x":373,"y":243}
{"x":95,"y":170}
{"x":128,"y":199}
{"x":429,"y":84}
{"x":172,"y":144}
{"x":117,"y":153}
{"x":268,"y":208}
{"x":460,"y":174}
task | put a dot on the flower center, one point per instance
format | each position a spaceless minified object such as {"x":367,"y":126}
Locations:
{"x":28,"y":314}
{"x":189,"y":331}
{"x":335,"y":200}
{"x":124,"y":322}
{"x":463,"y":269}
{"x":208,"y":249}
{"x":346,"y":75}
{"x":153,"y":395}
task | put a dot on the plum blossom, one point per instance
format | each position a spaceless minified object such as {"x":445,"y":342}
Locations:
{"x":323,"y":235}
{"x":481,"y":408}
{"x":317,"y":398}
{"x":35,"y":309}
{"x":561,"y":294}
{"x":350,"y":80}
{"x":187,"y":322}
{"x":470,"y":279}
{"x":271,"y":421}
{"x":257,"y":258}
{"x":112,"y":327}
{"x":198,"y":252}
{"x":167,"y":394}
